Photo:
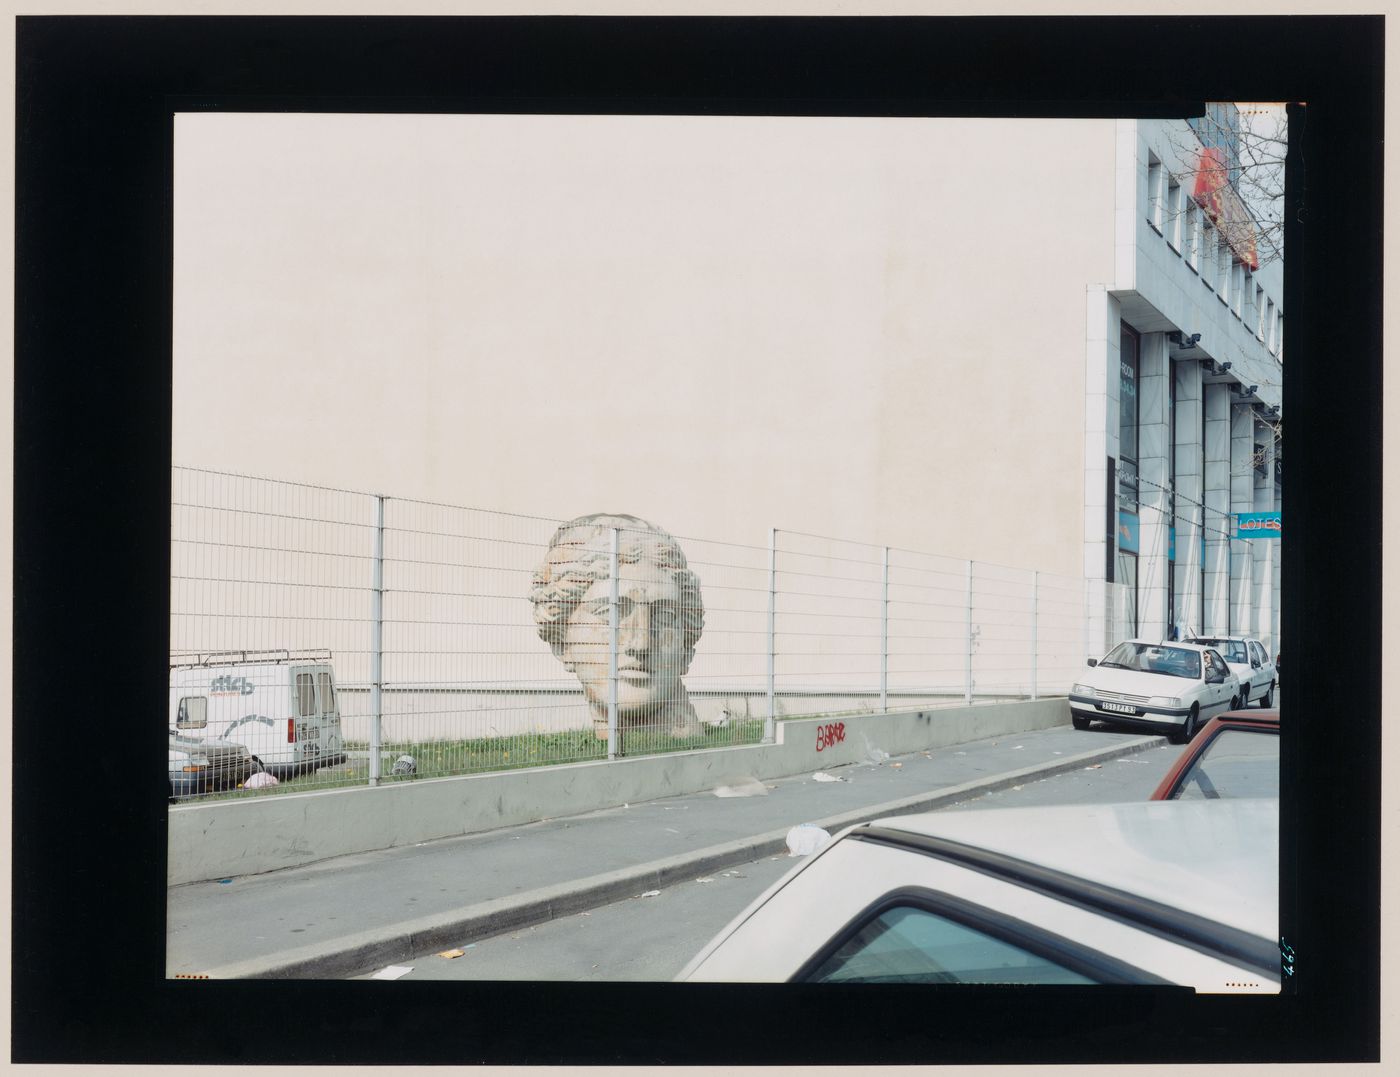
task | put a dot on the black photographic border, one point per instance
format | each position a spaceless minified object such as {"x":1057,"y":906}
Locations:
{"x":95,"y":101}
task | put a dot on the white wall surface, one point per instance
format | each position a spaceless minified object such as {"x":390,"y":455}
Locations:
{"x":869,"y":328}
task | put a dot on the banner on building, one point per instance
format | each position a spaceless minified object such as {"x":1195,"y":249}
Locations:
{"x":1127,"y":532}
{"x":1223,"y":205}
{"x":1258,"y":525}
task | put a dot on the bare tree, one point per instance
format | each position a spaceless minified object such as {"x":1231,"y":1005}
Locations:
{"x":1231,"y":168}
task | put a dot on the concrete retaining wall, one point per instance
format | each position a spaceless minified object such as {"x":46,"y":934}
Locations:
{"x":245,"y":837}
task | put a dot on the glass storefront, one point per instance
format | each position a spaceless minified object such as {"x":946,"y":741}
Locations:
{"x":1128,"y":423}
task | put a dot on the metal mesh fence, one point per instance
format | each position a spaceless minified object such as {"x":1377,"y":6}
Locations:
{"x":344,"y":637}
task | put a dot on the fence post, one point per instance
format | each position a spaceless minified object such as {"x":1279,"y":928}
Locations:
{"x":1035,"y":623}
{"x":885,"y":632}
{"x":967,"y":696}
{"x":770,"y":722}
{"x":376,"y":647}
{"x":612,"y":649}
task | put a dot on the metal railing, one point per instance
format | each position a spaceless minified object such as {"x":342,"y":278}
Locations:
{"x":466,"y":640}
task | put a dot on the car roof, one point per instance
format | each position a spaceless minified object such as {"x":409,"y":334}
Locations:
{"x":1224,"y":853}
{"x":1268,"y":718}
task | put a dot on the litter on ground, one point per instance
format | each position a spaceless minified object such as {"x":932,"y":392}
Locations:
{"x":650,"y":893}
{"x":1095,"y":766}
{"x":806,"y":838}
{"x":450,"y":954}
{"x":742,"y":787}
{"x":823,"y":776}
{"x":392,"y":972}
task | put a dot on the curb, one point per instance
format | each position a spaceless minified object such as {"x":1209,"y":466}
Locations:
{"x":367,"y":950}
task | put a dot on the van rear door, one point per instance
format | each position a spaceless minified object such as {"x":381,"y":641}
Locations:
{"x":304,"y":730}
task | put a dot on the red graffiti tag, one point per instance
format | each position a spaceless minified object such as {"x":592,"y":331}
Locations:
{"x":827,"y":735}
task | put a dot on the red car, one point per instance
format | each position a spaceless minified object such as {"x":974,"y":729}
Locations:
{"x":1235,"y":755}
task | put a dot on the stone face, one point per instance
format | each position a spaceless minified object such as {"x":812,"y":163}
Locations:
{"x":660,"y":617}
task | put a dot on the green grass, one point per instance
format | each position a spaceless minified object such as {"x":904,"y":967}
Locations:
{"x":448,"y":758}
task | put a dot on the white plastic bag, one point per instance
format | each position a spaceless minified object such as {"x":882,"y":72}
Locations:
{"x":806,"y":839}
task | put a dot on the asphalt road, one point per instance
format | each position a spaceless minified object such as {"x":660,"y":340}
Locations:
{"x":652,"y":937}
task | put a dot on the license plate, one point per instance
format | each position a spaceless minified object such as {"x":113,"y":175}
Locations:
{"x":1120,"y":708}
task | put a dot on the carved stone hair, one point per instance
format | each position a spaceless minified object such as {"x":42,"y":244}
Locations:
{"x":579,"y":555}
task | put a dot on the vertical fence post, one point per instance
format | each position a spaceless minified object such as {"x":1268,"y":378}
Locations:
{"x":967,"y":695}
{"x":770,"y":722}
{"x":1035,"y":623}
{"x":612,"y":649}
{"x":885,"y":633}
{"x":376,"y":647}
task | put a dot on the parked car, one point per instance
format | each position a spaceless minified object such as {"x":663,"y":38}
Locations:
{"x":1167,"y":688}
{"x":1148,"y":893}
{"x":206,"y":766}
{"x":1250,"y":662}
{"x":1235,"y":755}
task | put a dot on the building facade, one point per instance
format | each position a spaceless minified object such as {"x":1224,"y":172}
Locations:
{"x":1186,"y":346}
{"x":1043,"y":344}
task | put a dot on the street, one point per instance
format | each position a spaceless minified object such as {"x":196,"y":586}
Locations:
{"x":652,"y":937}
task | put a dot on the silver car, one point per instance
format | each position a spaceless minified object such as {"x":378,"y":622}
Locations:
{"x":1248,"y":660}
{"x":1164,"y":892}
{"x":1171,"y":688}
{"x":206,"y":766}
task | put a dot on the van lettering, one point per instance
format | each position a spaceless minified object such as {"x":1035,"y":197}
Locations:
{"x":226,"y":685}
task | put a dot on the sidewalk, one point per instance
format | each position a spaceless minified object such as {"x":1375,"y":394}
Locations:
{"x":340,"y":916}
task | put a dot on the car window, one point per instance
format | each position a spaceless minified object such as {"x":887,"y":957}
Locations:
{"x":1236,"y":763}
{"x":306,"y":695}
{"x":1154,"y":658}
{"x":911,"y":945}
{"x":193,"y":713}
{"x":327,"y":693}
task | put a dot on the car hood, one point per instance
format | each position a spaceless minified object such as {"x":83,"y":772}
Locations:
{"x":1136,"y":683}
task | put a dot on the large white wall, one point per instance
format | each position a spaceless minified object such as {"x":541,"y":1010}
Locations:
{"x":869,"y":328}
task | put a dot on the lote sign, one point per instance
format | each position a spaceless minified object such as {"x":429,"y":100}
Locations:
{"x":1258,"y":525}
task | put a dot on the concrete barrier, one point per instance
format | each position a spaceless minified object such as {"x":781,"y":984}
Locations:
{"x":245,"y":837}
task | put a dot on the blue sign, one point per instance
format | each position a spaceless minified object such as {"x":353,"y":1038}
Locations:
{"x":1258,"y":525}
{"x":1171,"y":544}
{"x":1128,"y":532}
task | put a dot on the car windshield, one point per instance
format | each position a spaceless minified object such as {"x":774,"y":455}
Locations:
{"x":1155,"y":658}
{"x":913,"y":945}
{"x":1232,"y":650}
{"x":1236,"y":763}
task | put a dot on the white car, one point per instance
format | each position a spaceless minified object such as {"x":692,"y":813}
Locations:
{"x":1171,"y":688}
{"x":1249,"y":661}
{"x":1159,"y":892}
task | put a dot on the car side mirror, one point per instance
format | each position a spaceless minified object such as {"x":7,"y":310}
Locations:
{"x":1093,"y":661}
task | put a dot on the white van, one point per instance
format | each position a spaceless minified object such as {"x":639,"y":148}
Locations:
{"x":281,"y":705}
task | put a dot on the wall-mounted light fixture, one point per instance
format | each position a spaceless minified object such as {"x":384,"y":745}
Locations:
{"x":1183,"y":340}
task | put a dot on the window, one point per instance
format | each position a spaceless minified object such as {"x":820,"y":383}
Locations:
{"x":1279,"y":350}
{"x":1269,"y":323}
{"x":193,"y":713}
{"x":1236,"y":763}
{"x":327,"y":693}
{"x":306,"y":695}
{"x":1191,"y":236}
{"x":911,"y":945}
{"x":1154,"y":193}
{"x":1237,"y":279}
{"x":1208,"y":259}
{"x":1226,"y":271}
{"x":1258,"y":324}
{"x":1172,"y":224}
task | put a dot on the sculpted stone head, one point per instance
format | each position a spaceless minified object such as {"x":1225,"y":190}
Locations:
{"x":660,"y":617}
